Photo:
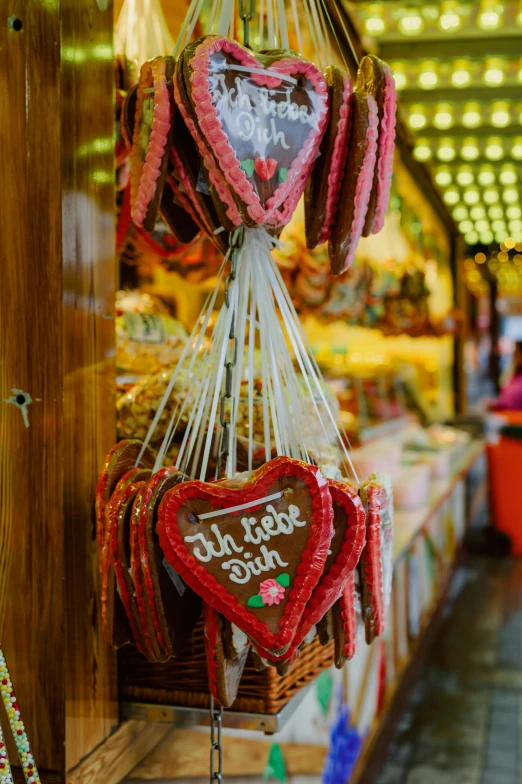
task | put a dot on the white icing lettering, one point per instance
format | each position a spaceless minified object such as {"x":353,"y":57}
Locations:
{"x":241,"y":572}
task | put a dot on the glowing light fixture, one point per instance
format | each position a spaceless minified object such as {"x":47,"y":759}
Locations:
{"x":471,"y":116}
{"x":477,"y":212}
{"x":422,"y":151}
{"x":513,"y":213}
{"x":490,"y":15}
{"x":515,"y":227}
{"x":443,"y":177}
{"x":428,"y":75}
{"x":400,"y":75}
{"x":450,"y":18}
{"x":480,"y":258}
{"x":494,"y":71}
{"x":509,"y":242}
{"x":494,"y":148}
{"x":465,"y":226}
{"x":500,"y":114}
{"x":471,"y":238}
{"x":443,"y":118}
{"x":451,"y":196}
{"x":471,"y":196}
{"x":465,"y":176}
{"x":482,"y":225}
{"x":411,"y":22}
{"x":417,"y":117}
{"x":499,"y":236}
{"x":510,"y":195}
{"x":508,"y":175}
{"x":470,"y":149}
{"x":460,"y":213}
{"x":375,"y":23}
{"x":486,"y":237}
{"x":486,"y":175}
{"x":446,"y":150}
{"x":516,"y":148}
{"x":461,"y":74}
{"x":498,"y":225}
{"x":495,"y":213}
{"x":490,"y":196}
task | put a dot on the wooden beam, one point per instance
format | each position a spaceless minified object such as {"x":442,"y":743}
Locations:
{"x":119,"y":754}
{"x":184,"y":753}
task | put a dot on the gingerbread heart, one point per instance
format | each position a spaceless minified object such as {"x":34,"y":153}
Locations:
{"x":272,"y":106}
{"x":377,"y":556}
{"x":252,"y":547}
{"x":227,"y":649}
{"x":344,"y":621}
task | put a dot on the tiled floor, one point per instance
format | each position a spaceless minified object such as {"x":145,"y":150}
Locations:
{"x":463,"y":721}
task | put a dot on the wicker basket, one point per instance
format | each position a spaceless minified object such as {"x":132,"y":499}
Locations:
{"x":183,"y":681}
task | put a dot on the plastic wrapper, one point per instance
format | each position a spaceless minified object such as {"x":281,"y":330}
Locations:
{"x":377,"y":557}
{"x":145,"y":341}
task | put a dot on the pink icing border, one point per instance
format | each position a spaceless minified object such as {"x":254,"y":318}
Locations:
{"x":214,"y":173}
{"x":364,"y":182}
{"x":218,"y":140}
{"x":386,"y":150}
{"x":338,"y":161}
{"x":157,"y":143}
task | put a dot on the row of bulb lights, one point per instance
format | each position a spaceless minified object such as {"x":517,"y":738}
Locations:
{"x":459,"y":73}
{"x":505,"y":264}
{"x":499,"y":114}
{"x":447,"y":149}
{"x":449,"y":17}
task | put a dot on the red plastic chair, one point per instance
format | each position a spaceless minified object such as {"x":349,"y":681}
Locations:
{"x":505,"y":483}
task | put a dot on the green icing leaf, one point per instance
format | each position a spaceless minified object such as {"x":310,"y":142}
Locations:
{"x":283,"y":579}
{"x":255,"y":601}
{"x":248,"y":166}
{"x":275,"y":767}
{"x":282,"y":174}
{"x":324,"y":690}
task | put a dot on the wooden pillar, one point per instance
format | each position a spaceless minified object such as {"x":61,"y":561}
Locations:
{"x":56,"y":364}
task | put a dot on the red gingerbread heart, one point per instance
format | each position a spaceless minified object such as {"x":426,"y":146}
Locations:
{"x":252,"y":547}
{"x":271,"y":107}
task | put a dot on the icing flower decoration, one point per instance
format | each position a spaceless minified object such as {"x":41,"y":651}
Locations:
{"x":270,"y":592}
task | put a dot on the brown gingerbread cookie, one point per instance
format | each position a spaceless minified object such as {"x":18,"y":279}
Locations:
{"x":374,"y":78}
{"x":324,"y":183}
{"x":227,"y":650}
{"x":357,"y":183}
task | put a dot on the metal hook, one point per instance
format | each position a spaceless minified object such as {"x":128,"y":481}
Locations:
{"x":247,"y":17}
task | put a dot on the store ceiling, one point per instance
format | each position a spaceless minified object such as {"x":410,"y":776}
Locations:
{"x":458,"y":69}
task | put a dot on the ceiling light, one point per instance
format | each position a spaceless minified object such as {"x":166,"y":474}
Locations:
{"x":446,"y":150}
{"x":469,"y":150}
{"x":494,"y":148}
{"x":399,"y":75}
{"x":465,"y":176}
{"x":509,"y":242}
{"x":471,"y":238}
{"x":515,"y":227}
{"x":516,"y":148}
{"x":508,"y":175}
{"x":500,"y":114}
{"x":471,"y":195}
{"x":486,"y":237}
{"x":375,"y":23}
{"x":514,"y":212}
{"x":510,"y":195}
{"x":480,"y":258}
{"x":498,"y":225}
{"x":502,"y":256}
{"x":477,"y":212}
{"x":494,"y":73}
{"x":443,"y":177}
{"x":461,"y":74}
{"x":460,"y":213}
{"x":451,"y":196}
{"x":450,"y":18}
{"x":411,"y":22}
{"x":417,"y":117}
{"x":495,"y":213}
{"x":428,"y":76}
{"x":486,"y":175}
{"x":466,"y":226}
{"x":499,"y":236}
{"x":490,"y":15}
{"x":471,"y":116}
{"x":482,"y":225}
{"x":490,"y":196}
{"x":443,"y":118}
{"x":422,"y":150}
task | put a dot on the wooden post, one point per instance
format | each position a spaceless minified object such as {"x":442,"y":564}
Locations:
{"x":56,"y":364}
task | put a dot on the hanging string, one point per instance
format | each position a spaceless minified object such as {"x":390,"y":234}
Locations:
{"x":297,"y":26}
{"x":227,"y":10}
{"x":347,"y":36}
{"x":212,"y":17}
{"x":270,"y":25}
{"x":324,"y":31}
{"x":322,"y":63}
{"x":340,"y":48}
{"x":261,"y":24}
{"x":285,"y":44}
{"x":191,"y":13}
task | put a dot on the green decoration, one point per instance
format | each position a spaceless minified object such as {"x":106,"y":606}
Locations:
{"x":324,"y":690}
{"x":255,"y":601}
{"x":275,"y":767}
{"x":283,"y":579}
{"x":282,"y":174}
{"x":248,"y":166}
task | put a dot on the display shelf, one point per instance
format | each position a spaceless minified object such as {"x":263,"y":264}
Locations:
{"x":190,"y":717}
